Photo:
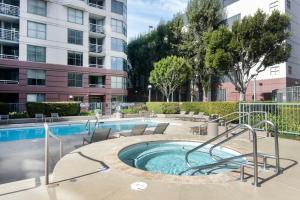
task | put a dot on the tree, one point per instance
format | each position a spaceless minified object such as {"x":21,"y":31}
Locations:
{"x":249,"y":48}
{"x":202,"y":15}
{"x":169,"y":73}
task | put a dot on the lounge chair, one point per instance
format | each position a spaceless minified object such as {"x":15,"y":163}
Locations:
{"x":98,"y":135}
{"x":4,"y":117}
{"x":160,"y":129}
{"x":39,"y":117}
{"x":199,"y":117}
{"x":54,"y":116}
{"x":181,"y":115}
{"x":136,"y":130}
{"x":188,"y":116}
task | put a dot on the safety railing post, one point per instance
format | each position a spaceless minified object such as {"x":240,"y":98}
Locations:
{"x":46,"y":154}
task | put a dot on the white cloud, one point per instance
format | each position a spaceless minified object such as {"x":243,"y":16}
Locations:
{"x":143,"y":13}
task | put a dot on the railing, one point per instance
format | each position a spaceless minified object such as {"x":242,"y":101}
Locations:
{"x":96,"y":48}
{"x":96,"y":6}
{"x":9,"y":82}
{"x":96,"y":65}
{"x":10,"y":57}
{"x":95,"y":28}
{"x":48,"y":134}
{"x":96,"y":86}
{"x":7,"y":9}
{"x":11,"y":35}
{"x":286,"y":116}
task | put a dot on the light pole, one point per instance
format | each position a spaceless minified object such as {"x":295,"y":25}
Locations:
{"x":149,"y":96}
{"x":254,"y":89}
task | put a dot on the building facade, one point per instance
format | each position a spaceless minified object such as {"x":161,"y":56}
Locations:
{"x":63,"y":50}
{"x":277,"y":77}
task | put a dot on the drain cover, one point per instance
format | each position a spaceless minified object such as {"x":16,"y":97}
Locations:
{"x":139,"y":186}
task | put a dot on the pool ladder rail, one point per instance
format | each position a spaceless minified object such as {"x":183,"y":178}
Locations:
{"x":254,"y":154}
{"x":88,"y":125}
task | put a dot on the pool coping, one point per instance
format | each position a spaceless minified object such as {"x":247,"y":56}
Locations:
{"x":111,"y":158}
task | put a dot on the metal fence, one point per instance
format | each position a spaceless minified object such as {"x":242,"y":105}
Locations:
{"x":285,"y":115}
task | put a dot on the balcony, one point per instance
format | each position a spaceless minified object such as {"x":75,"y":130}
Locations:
{"x":9,"y":57}
{"x":96,"y":81}
{"x":95,"y":28}
{"x":9,"y":35}
{"x":94,"y":65}
{"x":94,"y":48}
{"x":97,"y":6}
{"x":10,"y":10}
{"x":96,"y":86}
{"x":9,"y":76}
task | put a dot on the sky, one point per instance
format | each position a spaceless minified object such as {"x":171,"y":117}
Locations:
{"x":145,"y":13}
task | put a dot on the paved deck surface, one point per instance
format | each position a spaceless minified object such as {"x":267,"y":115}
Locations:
{"x":78,"y":176}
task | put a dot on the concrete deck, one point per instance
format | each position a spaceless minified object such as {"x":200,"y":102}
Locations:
{"x":77,"y":175}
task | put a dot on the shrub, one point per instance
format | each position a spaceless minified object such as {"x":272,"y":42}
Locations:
{"x":131,"y":110}
{"x":18,"y":115}
{"x":46,"y":108}
{"x":163,"y":108}
{"x":4,"y":108}
{"x":86,"y":113}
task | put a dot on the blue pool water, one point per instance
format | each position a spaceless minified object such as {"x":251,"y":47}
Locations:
{"x":168,"y":157}
{"x":13,"y":134}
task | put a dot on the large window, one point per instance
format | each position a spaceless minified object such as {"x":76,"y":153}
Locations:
{"x":118,"y":82}
{"x":36,"y":97}
{"x":118,"y":7}
{"x":36,"y":30}
{"x":118,"y":44}
{"x":228,"y":2}
{"x":75,"y":58}
{"x":36,"y":53}
{"x":75,"y":79}
{"x":75,"y":37}
{"x":38,"y":7}
{"x":275,"y":71}
{"x":118,"y":26}
{"x":75,"y":16}
{"x":118,"y":64}
{"x":36,"y":77}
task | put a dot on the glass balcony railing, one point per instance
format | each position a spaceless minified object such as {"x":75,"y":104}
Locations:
{"x":95,"y":28}
{"x":97,"y":6}
{"x":96,"y":86}
{"x":96,"y":65}
{"x":9,"y":82}
{"x":11,"y":10}
{"x":96,"y":48}
{"x":10,"y":35}
{"x":10,"y":57}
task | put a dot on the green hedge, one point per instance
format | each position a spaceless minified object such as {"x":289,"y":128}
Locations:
{"x":4,"y":108}
{"x":46,"y":108}
{"x":163,"y":107}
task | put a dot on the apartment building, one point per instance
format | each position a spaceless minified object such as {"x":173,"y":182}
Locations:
{"x":277,"y":77}
{"x":63,"y":50}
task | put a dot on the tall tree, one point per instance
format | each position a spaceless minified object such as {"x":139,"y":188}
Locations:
{"x":249,"y":48}
{"x":169,"y":73}
{"x":202,"y":16}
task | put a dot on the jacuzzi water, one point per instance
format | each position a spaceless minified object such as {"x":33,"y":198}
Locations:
{"x":168,"y":157}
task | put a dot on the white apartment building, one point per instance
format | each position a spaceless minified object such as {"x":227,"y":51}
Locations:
{"x":60,"y":50}
{"x":276,"y":77}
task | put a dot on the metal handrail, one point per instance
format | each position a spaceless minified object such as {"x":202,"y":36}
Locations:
{"x":95,"y":48}
{"x":96,"y":28}
{"x":8,"y":34}
{"x":8,"y":9}
{"x":96,"y":6}
{"x":48,"y":134}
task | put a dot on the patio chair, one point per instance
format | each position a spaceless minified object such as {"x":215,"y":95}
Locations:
{"x":181,"y":115}
{"x":188,"y":116}
{"x":138,"y":129}
{"x":39,"y":117}
{"x":4,"y":118}
{"x":54,"y":116}
{"x":160,"y":128}
{"x":199,"y":117}
{"x":99,"y":134}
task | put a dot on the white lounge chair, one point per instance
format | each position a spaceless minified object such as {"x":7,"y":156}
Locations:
{"x":54,"y":116}
{"x":39,"y":117}
{"x":4,"y":118}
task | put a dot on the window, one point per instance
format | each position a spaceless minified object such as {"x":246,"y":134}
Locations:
{"x":75,"y":37}
{"x":273,"y":5}
{"x":36,"y":53}
{"x":118,"y":7}
{"x":36,"y":30}
{"x":118,"y":45}
{"x":36,"y":97}
{"x":75,"y":16}
{"x":75,"y":79}
{"x":38,"y":7}
{"x":230,"y":21}
{"x":36,"y":77}
{"x":288,"y":4}
{"x":118,"y":82}
{"x":118,"y":64}
{"x":78,"y":98}
{"x":274,"y":71}
{"x":228,"y":2}
{"x":290,"y":70}
{"x":75,"y":58}
{"x":118,"y":26}
{"x":118,"y":98}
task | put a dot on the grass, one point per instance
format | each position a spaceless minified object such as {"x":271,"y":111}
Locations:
{"x":291,"y":137}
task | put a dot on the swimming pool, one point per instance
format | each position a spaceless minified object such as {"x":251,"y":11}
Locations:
{"x":168,"y":157}
{"x":13,"y":134}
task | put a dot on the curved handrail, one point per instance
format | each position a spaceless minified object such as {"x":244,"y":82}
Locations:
{"x":223,"y":117}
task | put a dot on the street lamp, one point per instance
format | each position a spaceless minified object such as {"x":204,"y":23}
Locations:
{"x":149,"y":97}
